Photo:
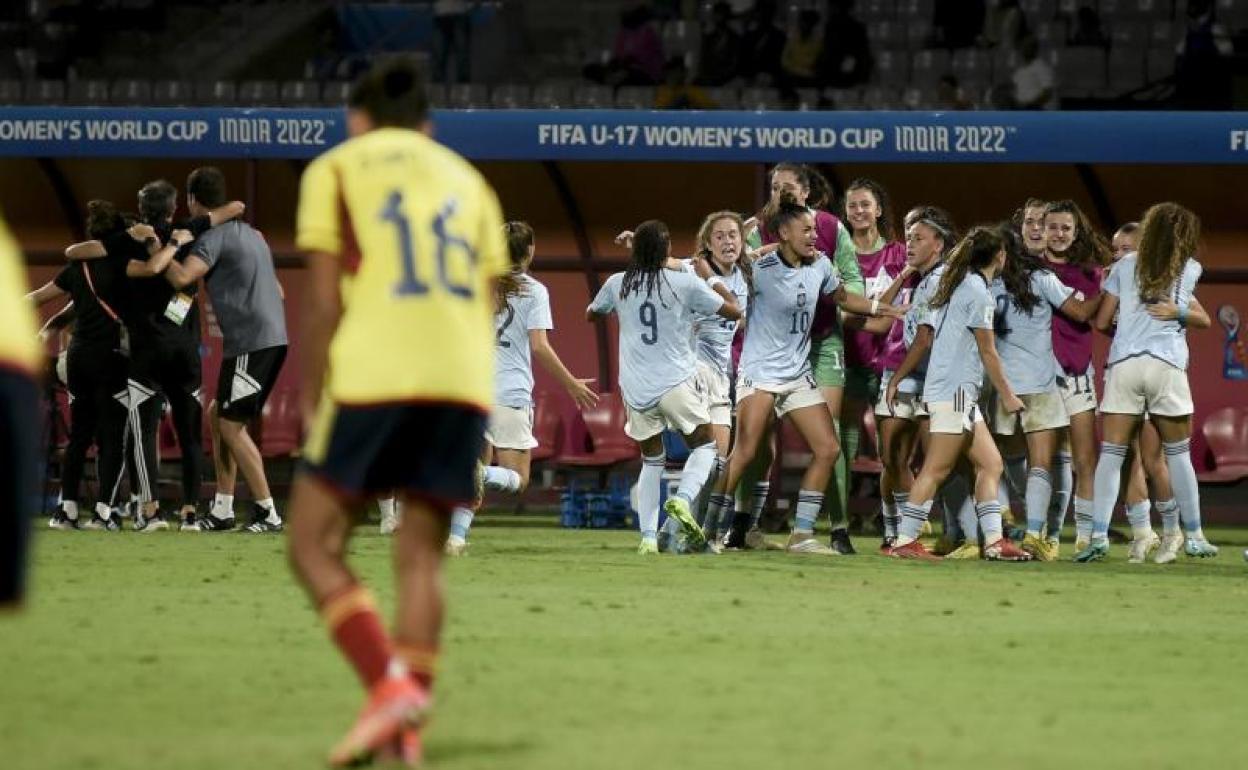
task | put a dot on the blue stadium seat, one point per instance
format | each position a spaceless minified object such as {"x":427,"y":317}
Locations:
{"x":260,"y":92}
{"x":170,"y":93}
{"x":89,"y":92}
{"x":216,"y":93}
{"x":300,"y":93}
{"x":131,"y":91}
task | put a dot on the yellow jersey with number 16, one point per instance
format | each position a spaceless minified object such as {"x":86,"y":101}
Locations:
{"x":419,"y":234}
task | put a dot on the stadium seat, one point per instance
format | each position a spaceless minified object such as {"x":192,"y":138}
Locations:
{"x":972,"y":67}
{"x":510,"y":96}
{"x":868,"y":463}
{"x":467,"y":96}
{"x":439,"y":98}
{"x":724,"y":97}
{"x":680,"y":38}
{"x":928,"y":66}
{"x":300,"y":93}
{"x":281,"y":427}
{"x":131,"y":91}
{"x":917,"y":99}
{"x":609,"y":445}
{"x":808,"y":98}
{"x":1226,"y":435}
{"x":46,"y":92}
{"x":876,"y":10}
{"x":892,"y":69}
{"x":876,"y":98}
{"x":593,"y":97}
{"x":10,"y":92}
{"x":216,"y":93}
{"x":170,"y":93}
{"x":89,"y":92}
{"x":258,"y":92}
{"x":167,"y":447}
{"x":760,"y":99}
{"x":634,"y":98}
{"x":334,"y":92}
{"x":1051,"y":34}
{"x":1163,"y":34}
{"x":1126,"y":70}
{"x":1129,"y":34}
{"x":1234,"y":14}
{"x":845,"y":98}
{"x":884,"y":35}
{"x":547,"y":426}
{"x":1038,"y":10}
{"x":1080,"y":70}
{"x":552,"y":96}
{"x":918,"y":34}
{"x":1160,"y":63}
{"x":912,"y":11}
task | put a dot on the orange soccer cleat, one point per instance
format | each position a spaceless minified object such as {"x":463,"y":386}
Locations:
{"x":395,"y":705}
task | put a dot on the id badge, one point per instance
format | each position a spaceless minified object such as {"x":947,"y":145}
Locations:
{"x":178,"y":307}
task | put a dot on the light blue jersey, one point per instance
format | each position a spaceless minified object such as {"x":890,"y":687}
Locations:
{"x":920,"y":314}
{"x":955,"y":363}
{"x":656,"y":332}
{"x":1138,"y":333}
{"x":715,"y":334}
{"x":513,"y":364}
{"x":782,"y":305}
{"x":1025,"y":340}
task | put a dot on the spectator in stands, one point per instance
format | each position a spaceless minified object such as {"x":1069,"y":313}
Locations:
{"x":637,"y":55}
{"x":1202,"y":74}
{"x":52,"y":51}
{"x":762,"y":44}
{"x":721,"y":48}
{"x":846,"y":56}
{"x":950,"y":96}
{"x":1087,"y":29}
{"x":676,"y":93}
{"x":957,"y":23}
{"x":1005,"y":26}
{"x":452,"y":39}
{"x":1035,"y":85}
{"x":802,"y":49}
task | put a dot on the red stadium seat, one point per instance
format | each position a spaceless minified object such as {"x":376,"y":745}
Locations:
{"x":1226,"y":435}
{"x":281,"y":427}
{"x":167,"y":446}
{"x":868,"y":464}
{"x":609,"y":444}
{"x":547,"y":427}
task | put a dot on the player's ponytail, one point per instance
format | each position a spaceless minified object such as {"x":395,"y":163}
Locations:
{"x":1170,"y":235}
{"x":975,"y":252}
{"x":519,"y":243}
{"x":1019,"y":265}
{"x":651,"y":247}
{"x":821,"y":195}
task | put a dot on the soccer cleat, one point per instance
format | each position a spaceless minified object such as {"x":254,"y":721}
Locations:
{"x":648,"y":547}
{"x":260,"y":523}
{"x":406,"y":750}
{"x":1141,"y":548}
{"x":912,"y":550}
{"x":806,"y":544}
{"x":1081,"y":543}
{"x":190,"y":524}
{"x":755,"y":540}
{"x":1055,"y":547}
{"x":211,"y":523}
{"x":1004,"y":549}
{"x":678,"y":508}
{"x":395,"y":704}
{"x":153,"y":523}
{"x":455,"y":547}
{"x":887,"y":544}
{"x":1040,"y":548}
{"x":944,"y":545}
{"x":1094,"y":552}
{"x":389,"y":523}
{"x":101,"y":524}
{"x":1171,"y":544}
{"x":841,"y":543}
{"x":667,"y":543}
{"x":60,"y":521}
{"x":968,"y":551}
{"x":1200,"y":548}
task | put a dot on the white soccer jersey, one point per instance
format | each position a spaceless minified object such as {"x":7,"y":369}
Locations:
{"x":1138,"y":333}
{"x":528,"y":310}
{"x":1025,"y":340}
{"x":955,"y":363}
{"x":656,"y":332}
{"x":782,"y":305}
{"x":919,"y":314}
{"x":715,"y":334}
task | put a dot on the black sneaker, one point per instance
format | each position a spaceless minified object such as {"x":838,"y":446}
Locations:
{"x":61,"y":521}
{"x":211,"y":523}
{"x":154,"y":523}
{"x":260,"y":521}
{"x":841,"y":542}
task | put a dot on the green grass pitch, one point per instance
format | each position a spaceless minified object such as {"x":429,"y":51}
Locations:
{"x":566,"y":650}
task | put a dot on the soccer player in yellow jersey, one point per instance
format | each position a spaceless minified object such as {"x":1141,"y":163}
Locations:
{"x":20,"y":358}
{"x":404,"y":240}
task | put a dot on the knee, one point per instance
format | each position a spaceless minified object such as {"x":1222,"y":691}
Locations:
{"x":993,"y":467}
{"x":825,"y":452}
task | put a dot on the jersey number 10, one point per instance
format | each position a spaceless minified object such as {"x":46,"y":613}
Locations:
{"x":410,"y":282}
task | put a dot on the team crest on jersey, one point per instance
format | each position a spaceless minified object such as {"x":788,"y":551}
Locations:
{"x":801,"y":298}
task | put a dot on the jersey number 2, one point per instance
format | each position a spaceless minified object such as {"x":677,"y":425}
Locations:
{"x":511,"y":316}
{"x":410,"y":283}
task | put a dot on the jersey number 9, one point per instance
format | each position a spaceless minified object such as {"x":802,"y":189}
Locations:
{"x":410,"y":283}
{"x":649,"y":319}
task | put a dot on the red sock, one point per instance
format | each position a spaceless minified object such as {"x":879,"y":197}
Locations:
{"x":421,"y":663}
{"x":351,"y":617}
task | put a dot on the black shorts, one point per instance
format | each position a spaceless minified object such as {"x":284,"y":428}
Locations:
{"x":245,"y":382}
{"x":429,"y":452}
{"x":19,"y":477}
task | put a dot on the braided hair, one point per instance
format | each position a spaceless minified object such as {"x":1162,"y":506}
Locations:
{"x":651,"y":247}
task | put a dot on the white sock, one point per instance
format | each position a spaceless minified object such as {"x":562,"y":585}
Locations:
{"x":386,"y":506}
{"x":988,"y":514}
{"x":268,"y":504}
{"x":461,"y":523}
{"x":1186,"y":488}
{"x":1083,"y":519}
{"x":222,"y":506}
{"x":71,"y":508}
{"x":1137,"y":515}
{"x":502,"y":479}
{"x":648,"y":495}
{"x":809,"y":502}
{"x":696,"y":471}
{"x":1169,"y":512}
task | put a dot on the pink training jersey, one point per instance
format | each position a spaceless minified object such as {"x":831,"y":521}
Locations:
{"x":1072,"y":341}
{"x":827,"y":230}
{"x":879,"y":268}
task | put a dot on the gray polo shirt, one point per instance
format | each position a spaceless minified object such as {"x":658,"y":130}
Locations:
{"x":242,"y":283}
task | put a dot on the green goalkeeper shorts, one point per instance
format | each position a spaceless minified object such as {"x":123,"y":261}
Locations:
{"x":827,"y":360}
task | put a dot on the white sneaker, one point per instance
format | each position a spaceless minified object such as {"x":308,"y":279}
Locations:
{"x":389,"y":523}
{"x":1141,"y":547}
{"x":811,"y":546}
{"x":1200,"y":548}
{"x":1171,"y":543}
{"x":456,"y":547}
